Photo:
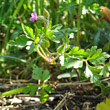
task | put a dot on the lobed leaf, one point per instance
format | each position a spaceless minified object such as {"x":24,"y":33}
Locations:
{"x":32,"y":46}
{"x":76,"y":52}
{"x":73,"y":63}
{"x":20,"y":41}
{"x":99,"y":59}
{"x":31,"y":89}
{"x":104,"y":105}
{"x":61,"y":49}
{"x":45,"y":75}
{"x":96,"y":56}
{"x":38,"y":74}
{"x":28,"y":31}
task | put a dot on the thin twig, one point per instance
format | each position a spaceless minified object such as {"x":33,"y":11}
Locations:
{"x":77,"y":72}
{"x":79,"y":83}
{"x":61,"y":103}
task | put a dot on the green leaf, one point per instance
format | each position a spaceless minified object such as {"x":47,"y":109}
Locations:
{"x":44,"y":96}
{"x":12,"y":92}
{"x":95,"y":79}
{"x":57,"y":27}
{"x":91,"y":51}
{"x":93,"y":74}
{"x":32,"y":46}
{"x":45,"y":75}
{"x":108,"y":66}
{"x":43,"y":92}
{"x":49,"y":34}
{"x":100,"y":59}
{"x":54,"y":39}
{"x":26,"y":90}
{"x":20,"y":41}
{"x":37,"y":32}
{"x":61,"y":49}
{"x":48,"y":88}
{"x":104,"y":105}
{"x":37,"y":73}
{"x":96,"y":69}
{"x":13,"y":58}
{"x":96,"y":56}
{"x":45,"y":43}
{"x":105,"y":72}
{"x":28,"y":31}
{"x":76,"y":52}
{"x":106,"y":47}
{"x":73,"y":63}
{"x":105,"y":90}
{"x":31,"y":89}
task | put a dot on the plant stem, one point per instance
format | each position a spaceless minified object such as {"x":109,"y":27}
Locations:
{"x":38,"y":51}
{"x":42,"y":51}
{"x":77,"y":74}
{"x":56,"y":57}
{"x":50,"y":52}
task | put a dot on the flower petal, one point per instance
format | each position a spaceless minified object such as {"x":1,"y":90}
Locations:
{"x":31,"y":19}
{"x":35,"y":14}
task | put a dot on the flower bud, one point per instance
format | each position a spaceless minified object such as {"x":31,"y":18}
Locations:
{"x":41,"y":19}
{"x":46,"y":13}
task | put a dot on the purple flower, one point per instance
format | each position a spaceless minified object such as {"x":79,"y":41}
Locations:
{"x":33,"y":17}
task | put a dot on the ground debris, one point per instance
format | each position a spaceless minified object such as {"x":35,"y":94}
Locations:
{"x":69,"y":97}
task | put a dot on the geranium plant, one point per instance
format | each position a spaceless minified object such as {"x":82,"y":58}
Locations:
{"x":90,"y":63}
